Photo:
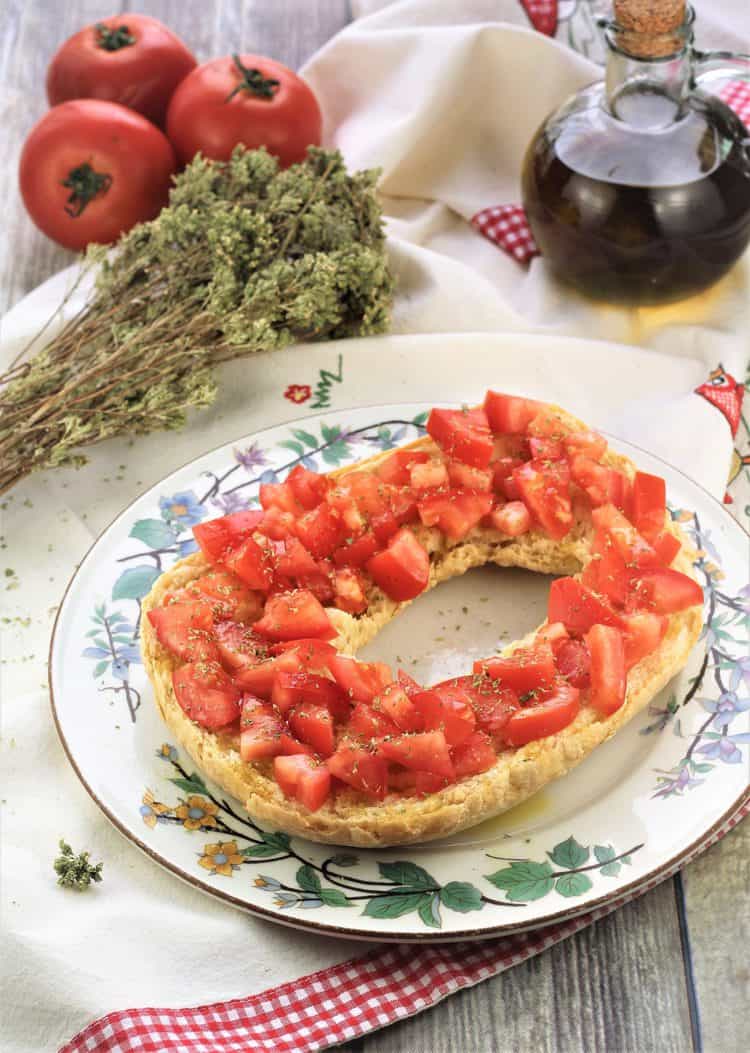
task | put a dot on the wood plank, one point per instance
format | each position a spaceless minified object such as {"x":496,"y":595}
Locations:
{"x":615,"y":987}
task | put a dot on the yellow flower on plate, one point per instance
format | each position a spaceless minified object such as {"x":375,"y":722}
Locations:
{"x":151,"y":809}
{"x":221,"y":858}
{"x":196,"y":812}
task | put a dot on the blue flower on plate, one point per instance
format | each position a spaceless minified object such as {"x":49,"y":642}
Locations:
{"x":167,"y":753}
{"x":740,"y":673}
{"x":183,"y":508}
{"x":251,"y":457}
{"x":726,"y":707}
{"x":725,"y":748}
{"x":187,"y":546}
{"x":229,"y":503}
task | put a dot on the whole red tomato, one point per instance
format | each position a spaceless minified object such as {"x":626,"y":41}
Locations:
{"x":90,"y":170}
{"x":243,"y":99}
{"x":130,"y":59}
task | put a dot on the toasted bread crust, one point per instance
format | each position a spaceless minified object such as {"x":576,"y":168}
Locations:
{"x":349,"y":818}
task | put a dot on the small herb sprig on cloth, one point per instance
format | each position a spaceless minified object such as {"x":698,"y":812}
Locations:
{"x":246,"y":258}
{"x":75,"y":871}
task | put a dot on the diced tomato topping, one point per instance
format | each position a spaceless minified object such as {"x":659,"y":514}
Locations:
{"x":608,"y":674}
{"x":349,"y":591}
{"x":309,"y":488}
{"x":294,"y":561}
{"x":277,"y":524}
{"x":446,"y":708}
{"x":218,"y":535}
{"x":602,"y":485}
{"x":357,"y":552}
{"x":492,"y":701}
{"x":545,"y":494}
{"x":278,"y":495}
{"x":546,"y":449}
{"x":402,"y":570}
{"x":314,"y":725}
{"x":429,"y":475}
{"x":367,"y":723}
{"x":633,"y":548}
{"x":577,"y":607}
{"x":607,"y":572}
{"x":502,"y":477}
{"x":312,"y":655}
{"x":548,"y":424}
{"x":526,"y":669}
{"x":303,"y":779}
{"x":508,"y":413}
{"x":665,"y":591}
{"x":553,"y":633}
{"x":185,"y":629}
{"x":455,"y":512}
{"x":589,"y":443}
{"x":421,"y":751}
{"x":320,"y":530}
{"x":252,"y":563}
{"x":261,"y":729}
{"x":396,"y":468}
{"x":259,"y":679}
{"x":464,"y":435}
{"x":238,"y":645}
{"x":361,"y":681}
{"x":644,"y":632}
{"x":291,"y":746}
{"x":294,"y":615}
{"x":666,"y":545}
{"x":206,"y":694}
{"x":464,"y":477}
{"x":512,"y":519}
{"x":475,"y":755}
{"x":648,"y":504}
{"x":424,"y":781}
{"x":295,"y":688}
{"x":409,"y":684}
{"x":394,"y":702}
{"x":545,"y":718}
{"x":574,"y":662}
{"x":360,"y":768}
{"x":227,"y":596}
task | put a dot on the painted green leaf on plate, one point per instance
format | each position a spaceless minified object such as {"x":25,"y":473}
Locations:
{"x":524,"y":880}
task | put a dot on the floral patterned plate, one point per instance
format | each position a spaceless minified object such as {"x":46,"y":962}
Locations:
{"x":632,"y":810}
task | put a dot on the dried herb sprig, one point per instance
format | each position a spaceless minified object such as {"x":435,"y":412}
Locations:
{"x":75,"y":871}
{"x":246,"y":258}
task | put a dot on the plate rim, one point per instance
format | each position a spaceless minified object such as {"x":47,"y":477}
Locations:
{"x":630,"y":890}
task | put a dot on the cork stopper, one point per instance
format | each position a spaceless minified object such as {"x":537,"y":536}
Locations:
{"x":650,"y":28}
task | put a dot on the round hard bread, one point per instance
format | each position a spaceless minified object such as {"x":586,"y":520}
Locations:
{"x":350,"y":818}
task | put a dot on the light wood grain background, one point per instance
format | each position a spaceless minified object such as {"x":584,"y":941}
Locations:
{"x":665,"y":974}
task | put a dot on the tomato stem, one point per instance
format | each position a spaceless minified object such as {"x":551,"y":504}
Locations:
{"x":252,"y":81}
{"x":113,"y":39}
{"x":84,"y":185}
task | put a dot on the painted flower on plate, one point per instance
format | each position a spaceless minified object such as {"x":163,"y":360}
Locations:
{"x":229,"y":503}
{"x":151,"y":810}
{"x":221,"y":858}
{"x":167,"y":752}
{"x":251,"y":457}
{"x":196,"y":812}
{"x":298,"y":393}
{"x":183,"y":508}
{"x":725,"y":749}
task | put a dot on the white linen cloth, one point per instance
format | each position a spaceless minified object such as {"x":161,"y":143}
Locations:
{"x":444,"y":96}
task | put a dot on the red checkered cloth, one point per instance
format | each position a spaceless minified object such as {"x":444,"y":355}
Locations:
{"x":344,"y":1001}
{"x":542,"y":14}
{"x":737,"y":95}
{"x":508,"y":228}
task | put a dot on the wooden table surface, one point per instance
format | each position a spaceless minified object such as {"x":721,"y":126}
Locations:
{"x":668,"y":972}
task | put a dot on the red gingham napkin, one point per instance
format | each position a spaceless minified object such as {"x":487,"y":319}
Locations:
{"x":344,"y":1001}
{"x":507,"y":226}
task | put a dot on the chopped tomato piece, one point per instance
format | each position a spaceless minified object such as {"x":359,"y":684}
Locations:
{"x":308,"y":487}
{"x":574,"y":662}
{"x":360,"y":768}
{"x":492,"y":701}
{"x":206,"y":694}
{"x":463,"y":434}
{"x":512,"y":519}
{"x":228,"y":596}
{"x":238,"y":645}
{"x":349,"y":591}
{"x":367,"y":723}
{"x":277,"y":524}
{"x":313,"y":725}
{"x":602,"y":485}
{"x":666,"y":545}
{"x":394,"y":702}
{"x":303,"y":779}
{"x":293,"y":688}
{"x":253,"y":564}
{"x":396,"y":468}
{"x":455,"y":512}
{"x":502,"y":477}
{"x":320,"y":584}
{"x":409,"y":684}
{"x":589,"y":443}
{"x":355,"y":552}
{"x":644,"y":632}
{"x":633,"y":548}
{"x":546,"y":449}
{"x":608,"y":676}
{"x":475,"y":755}
{"x":545,"y":494}
{"x":320,"y":530}
{"x":278,"y":495}
{"x":553,"y":633}
{"x":425,"y":782}
{"x":545,"y":718}
{"x":291,"y":746}
{"x":185,"y":629}
{"x":218,"y":535}
{"x":429,"y":475}
{"x":548,"y":424}
{"x":464,"y":477}
{"x":261,"y":728}
{"x":508,"y":413}
{"x":294,"y":561}
{"x":312,"y":655}
{"x":258,"y":679}
{"x":665,"y":591}
{"x":421,"y":751}
{"x":446,"y":708}
{"x":526,"y":669}
{"x":577,"y":607}
{"x":648,"y":504}
{"x":294,"y":615}
{"x":607,"y":572}
{"x":402,"y":570}
{"x":361,"y":681}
